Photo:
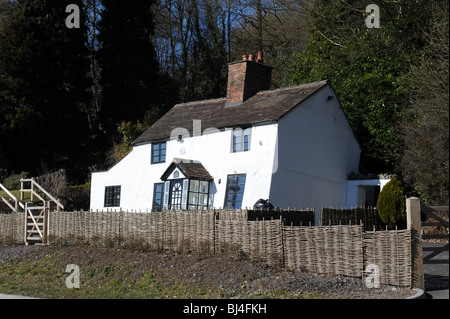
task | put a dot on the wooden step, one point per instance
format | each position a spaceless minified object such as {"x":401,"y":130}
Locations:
{"x":34,"y":238}
{"x":35,"y":217}
{"x":34,"y":231}
{"x":33,"y":224}
{"x":36,"y":207}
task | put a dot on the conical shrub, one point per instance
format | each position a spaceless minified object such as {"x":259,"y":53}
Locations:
{"x":391,"y":204}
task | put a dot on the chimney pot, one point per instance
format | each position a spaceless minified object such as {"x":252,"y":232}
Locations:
{"x":245,"y":57}
{"x":252,"y":57}
{"x":260,"y":57}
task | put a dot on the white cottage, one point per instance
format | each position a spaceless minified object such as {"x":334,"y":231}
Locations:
{"x":293,"y":146}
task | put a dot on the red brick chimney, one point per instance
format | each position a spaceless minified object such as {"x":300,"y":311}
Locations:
{"x":246,"y":78}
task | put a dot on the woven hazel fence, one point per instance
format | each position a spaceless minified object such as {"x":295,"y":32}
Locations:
{"x":325,"y":249}
{"x":368,"y":216}
{"x":294,"y":217}
{"x":12,"y":226}
{"x":189,"y":230}
{"x":337,"y":249}
{"x":257,"y":240}
{"x":391,"y":252}
{"x":168,"y":230}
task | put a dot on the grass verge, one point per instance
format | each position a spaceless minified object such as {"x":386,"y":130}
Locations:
{"x":120,"y":279}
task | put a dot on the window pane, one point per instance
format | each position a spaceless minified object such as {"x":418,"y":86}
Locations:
{"x":235,"y":191}
{"x":193,"y":198}
{"x":112,"y":196}
{"x":245,"y":142}
{"x":203,"y":199}
{"x":158,"y":152}
{"x":194,"y":185}
{"x":232,"y":180}
{"x":204,"y":187}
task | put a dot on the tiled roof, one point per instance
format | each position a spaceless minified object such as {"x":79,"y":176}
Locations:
{"x":192,"y":169}
{"x":265,"y":106}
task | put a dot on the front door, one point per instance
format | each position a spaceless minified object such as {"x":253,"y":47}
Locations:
{"x":176,"y":188}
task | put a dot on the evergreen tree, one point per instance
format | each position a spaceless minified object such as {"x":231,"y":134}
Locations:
{"x":43,"y":85}
{"x":391,"y":204}
{"x":367,"y":67}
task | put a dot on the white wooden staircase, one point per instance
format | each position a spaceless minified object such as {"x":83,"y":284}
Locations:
{"x":12,"y":202}
{"x":36,"y":211}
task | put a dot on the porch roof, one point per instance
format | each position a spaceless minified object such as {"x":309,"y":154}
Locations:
{"x":190,"y":168}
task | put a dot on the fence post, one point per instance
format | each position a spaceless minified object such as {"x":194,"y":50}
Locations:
{"x":415,"y":225}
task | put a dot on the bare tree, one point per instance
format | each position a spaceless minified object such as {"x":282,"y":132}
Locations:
{"x":191,"y":37}
{"x":6,"y":8}
{"x":425,"y":161}
{"x":93,"y":10}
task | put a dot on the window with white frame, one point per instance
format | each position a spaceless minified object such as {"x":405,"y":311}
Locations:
{"x":183,"y":194}
{"x":198,"y":194}
{"x":241,"y":140}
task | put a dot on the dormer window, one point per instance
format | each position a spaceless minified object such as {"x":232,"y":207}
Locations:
{"x":158,"y":152}
{"x":241,"y":140}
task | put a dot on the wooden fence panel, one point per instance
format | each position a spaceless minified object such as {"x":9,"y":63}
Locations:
{"x":367,"y":216}
{"x":12,"y":227}
{"x":337,"y":249}
{"x":259,"y":240}
{"x":390,"y":251}
{"x":325,"y":249}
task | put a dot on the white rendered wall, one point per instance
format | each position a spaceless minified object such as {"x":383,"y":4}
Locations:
{"x":301,"y":161}
{"x":356,"y":195}
{"x":137,"y":175}
{"x":316,"y":151}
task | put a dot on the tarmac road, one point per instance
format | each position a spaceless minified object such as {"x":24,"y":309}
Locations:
{"x":436,"y":275}
{"x":4,"y":296}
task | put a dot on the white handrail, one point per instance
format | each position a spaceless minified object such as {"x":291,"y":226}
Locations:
{"x":43,"y":190}
{"x":13,"y":198}
{"x":8,"y":192}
